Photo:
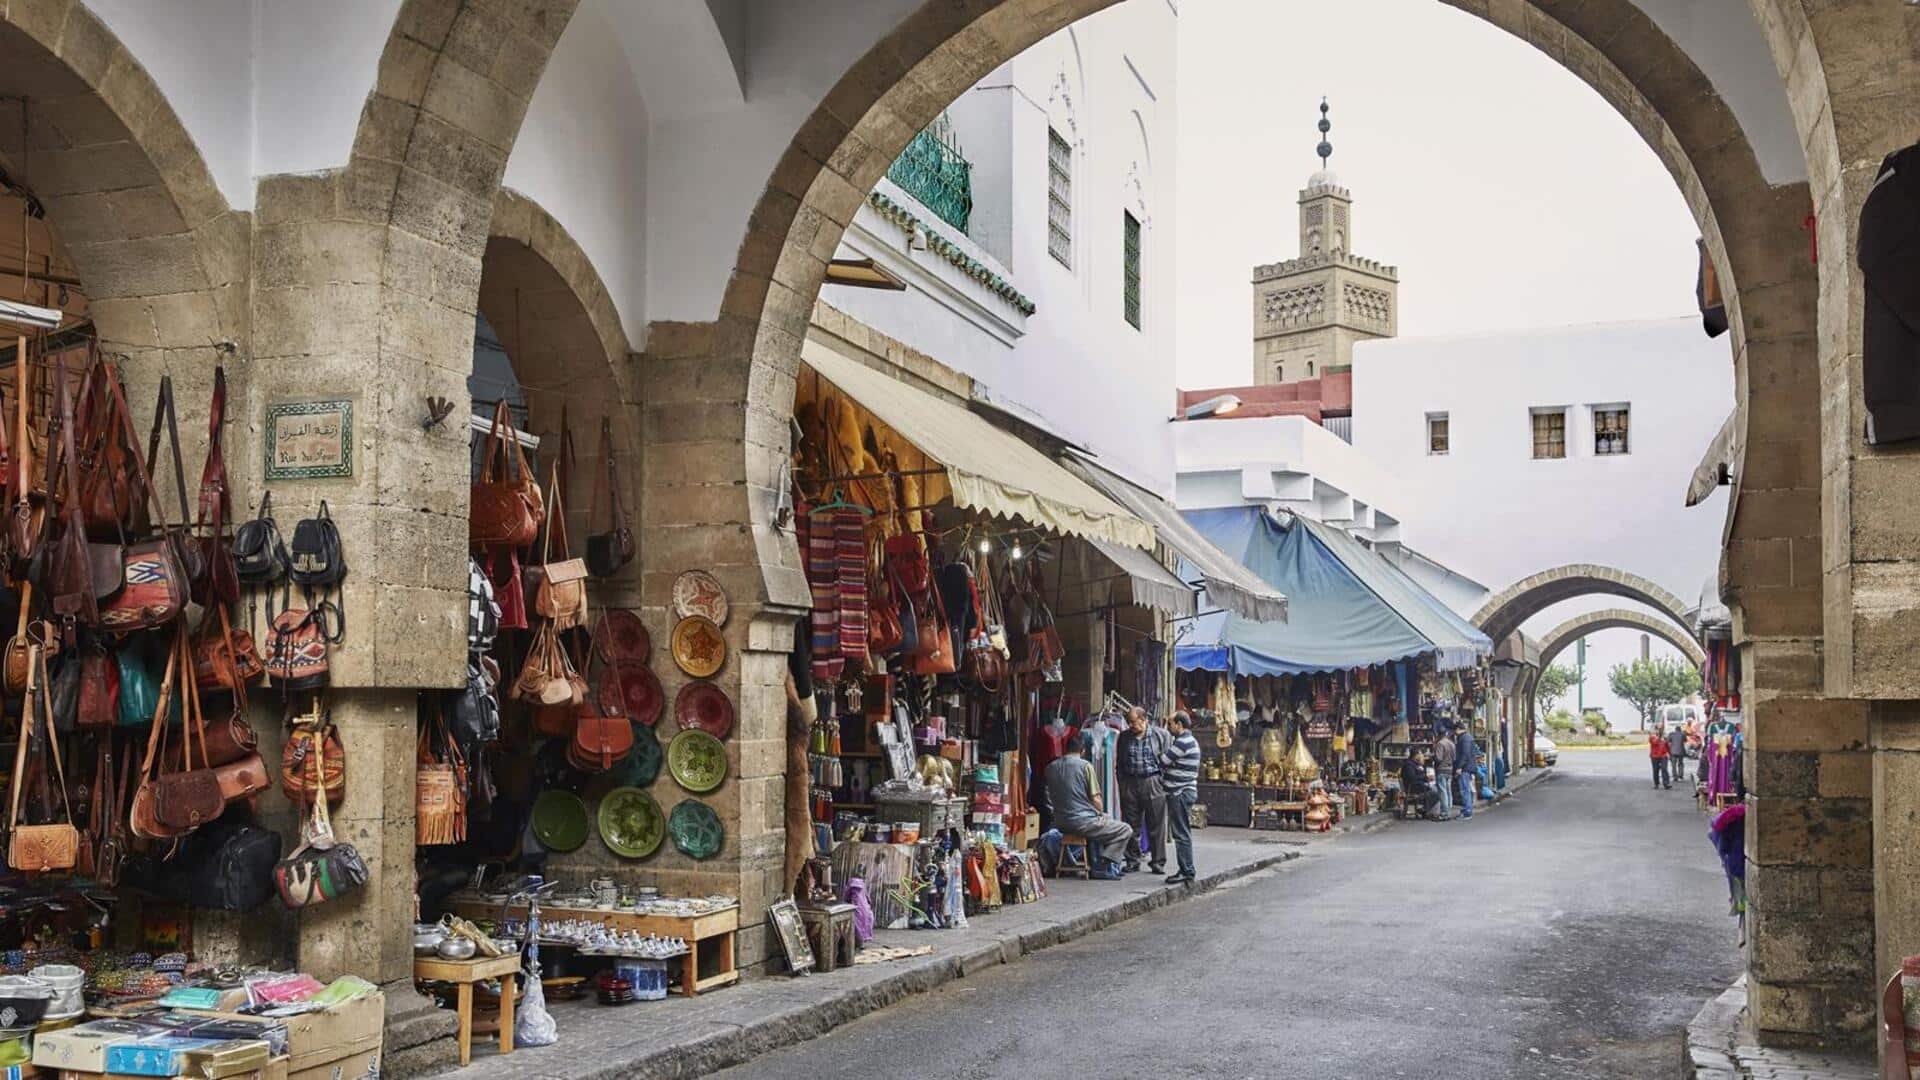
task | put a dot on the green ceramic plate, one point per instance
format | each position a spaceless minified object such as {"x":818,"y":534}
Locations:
{"x":560,"y":821}
{"x":631,"y":823}
{"x":696,"y":829}
{"x":697,"y":761}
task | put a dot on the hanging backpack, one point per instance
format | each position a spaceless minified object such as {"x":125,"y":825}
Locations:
{"x":259,"y":555}
{"x":315,"y":559}
{"x":297,"y":641}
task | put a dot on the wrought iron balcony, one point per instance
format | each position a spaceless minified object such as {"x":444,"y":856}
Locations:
{"x":933,"y":170}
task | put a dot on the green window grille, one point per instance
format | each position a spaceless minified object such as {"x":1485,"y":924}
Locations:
{"x":1131,"y":268}
{"x":1059,"y":198}
{"x":933,"y":170}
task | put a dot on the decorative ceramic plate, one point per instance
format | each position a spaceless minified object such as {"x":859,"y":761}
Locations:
{"x":639,"y":769}
{"x":560,"y":821}
{"x":696,"y":829}
{"x":697,"y":592}
{"x":702,"y":706}
{"x":698,"y":646}
{"x":622,"y":636}
{"x":630,"y":687}
{"x":631,"y":823}
{"x":697,"y":761}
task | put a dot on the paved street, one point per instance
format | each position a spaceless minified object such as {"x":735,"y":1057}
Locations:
{"x":1571,"y":932}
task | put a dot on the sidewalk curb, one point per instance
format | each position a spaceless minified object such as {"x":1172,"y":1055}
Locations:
{"x":739,"y":1044}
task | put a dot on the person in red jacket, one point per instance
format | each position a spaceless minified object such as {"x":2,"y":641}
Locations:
{"x":1657,"y":748}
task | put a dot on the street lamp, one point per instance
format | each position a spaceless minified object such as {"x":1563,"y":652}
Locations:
{"x":1217,"y":405}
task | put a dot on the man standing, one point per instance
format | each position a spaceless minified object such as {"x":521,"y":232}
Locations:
{"x":1466,"y":763}
{"x":1077,"y":808}
{"x":1657,"y":749}
{"x":1677,"y":753}
{"x":1180,"y":767}
{"x":1443,"y":771}
{"x":1143,"y":799}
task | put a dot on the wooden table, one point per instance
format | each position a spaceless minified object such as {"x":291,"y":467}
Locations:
{"x":463,"y":974}
{"x":716,"y":931}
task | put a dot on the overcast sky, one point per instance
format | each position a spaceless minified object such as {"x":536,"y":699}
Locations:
{"x":1505,"y":190}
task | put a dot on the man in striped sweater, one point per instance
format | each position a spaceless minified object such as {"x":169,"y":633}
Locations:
{"x":1180,"y":772}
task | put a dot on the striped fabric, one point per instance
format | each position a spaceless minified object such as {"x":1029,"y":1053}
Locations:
{"x":850,"y":546}
{"x":1181,"y":764}
{"x":817,"y":541}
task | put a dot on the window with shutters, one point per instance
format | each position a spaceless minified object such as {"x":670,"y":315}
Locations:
{"x":1549,"y":433}
{"x":1438,"y":442}
{"x":1059,"y":198}
{"x":1130,"y":269}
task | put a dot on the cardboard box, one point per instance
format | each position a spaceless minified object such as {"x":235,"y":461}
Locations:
{"x":347,"y":1030}
{"x":83,"y":1047}
{"x":152,"y":1057}
{"x":276,"y":1069}
{"x":362,"y":1066}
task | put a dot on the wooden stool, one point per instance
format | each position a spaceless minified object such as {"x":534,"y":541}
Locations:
{"x":463,"y":974}
{"x":1070,"y":842}
{"x":830,"y":931}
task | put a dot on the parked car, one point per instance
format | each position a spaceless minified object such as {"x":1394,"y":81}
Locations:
{"x":1548,"y":750}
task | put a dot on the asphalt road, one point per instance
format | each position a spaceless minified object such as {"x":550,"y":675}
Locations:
{"x":1571,"y":932}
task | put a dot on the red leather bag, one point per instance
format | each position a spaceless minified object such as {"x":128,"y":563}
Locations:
{"x":99,"y":688}
{"x":506,"y":506}
{"x":112,"y":492}
{"x":601,"y":737}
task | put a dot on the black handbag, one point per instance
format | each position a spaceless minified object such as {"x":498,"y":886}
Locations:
{"x":259,"y":555}
{"x":315,"y":559}
{"x":475,"y":712}
{"x":229,"y":866}
{"x":66,"y":694}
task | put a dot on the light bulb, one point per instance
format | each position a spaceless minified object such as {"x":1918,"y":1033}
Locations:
{"x":1016,"y":552}
{"x":986,"y":546}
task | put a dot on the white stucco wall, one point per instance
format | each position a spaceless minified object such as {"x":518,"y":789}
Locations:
{"x":1286,"y":463}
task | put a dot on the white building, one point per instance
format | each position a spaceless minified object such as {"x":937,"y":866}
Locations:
{"x":1056,"y":298}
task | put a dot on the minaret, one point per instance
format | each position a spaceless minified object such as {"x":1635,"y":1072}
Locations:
{"x":1308,"y":311}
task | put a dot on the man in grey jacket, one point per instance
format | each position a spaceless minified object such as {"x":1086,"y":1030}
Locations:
{"x":1443,"y":772}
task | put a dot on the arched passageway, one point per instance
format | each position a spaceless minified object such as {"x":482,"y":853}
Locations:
{"x":1506,"y":610}
{"x":1564,"y":635}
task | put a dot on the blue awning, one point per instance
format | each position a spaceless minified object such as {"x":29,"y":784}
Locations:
{"x":1203,"y":657}
{"x":1347,"y":607}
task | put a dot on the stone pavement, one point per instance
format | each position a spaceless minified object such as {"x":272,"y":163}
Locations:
{"x":682,"y":1037}
{"x":1721,"y":1047}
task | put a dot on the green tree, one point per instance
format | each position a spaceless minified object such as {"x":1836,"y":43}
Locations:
{"x":1554,"y":683}
{"x":1649,"y":684}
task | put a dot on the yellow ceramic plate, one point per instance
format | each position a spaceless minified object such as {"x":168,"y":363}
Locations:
{"x":698,"y":646}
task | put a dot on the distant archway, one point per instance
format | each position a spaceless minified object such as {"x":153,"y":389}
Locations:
{"x":1506,"y":610}
{"x":1564,"y":635}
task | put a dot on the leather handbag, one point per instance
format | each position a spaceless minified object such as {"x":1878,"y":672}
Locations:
{"x":64,"y":694}
{"x":313,"y":737}
{"x":225,"y":658}
{"x":506,"y":507}
{"x":608,"y":551}
{"x":54,"y":846}
{"x":935,"y":655}
{"x":297,"y":643}
{"x":321,"y":868}
{"x":221,"y":583}
{"x":143,"y":816}
{"x":259,"y":554}
{"x":99,"y":705}
{"x":18,"y":659}
{"x":187,"y":550}
{"x":156,"y":589}
{"x":25,"y":514}
{"x":600,"y":739}
{"x":63,"y":556}
{"x":559,"y":585}
{"x":316,"y":558}
{"x":191,"y":797}
{"x":548,"y":676}
{"x":439,"y":793}
{"x":139,"y":693}
{"x":884,"y":632}
{"x":112,"y":491}
{"x":111,"y":832}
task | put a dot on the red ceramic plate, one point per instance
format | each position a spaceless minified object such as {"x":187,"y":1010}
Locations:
{"x":622,"y":636}
{"x":631,"y":687}
{"x":703,"y":706}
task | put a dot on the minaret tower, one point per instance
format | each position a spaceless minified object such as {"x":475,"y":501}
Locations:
{"x":1308,"y":311}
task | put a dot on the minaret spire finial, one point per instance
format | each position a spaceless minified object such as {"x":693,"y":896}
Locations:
{"x":1325,"y":149}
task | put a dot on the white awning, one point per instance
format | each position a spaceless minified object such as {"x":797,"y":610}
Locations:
{"x":988,"y":469}
{"x":1718,"y":461}
{"x":1153,"y":585}
{"x":1229,"y":584}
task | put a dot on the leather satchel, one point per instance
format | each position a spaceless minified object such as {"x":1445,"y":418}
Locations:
{"x":320,"y":869}
{"x":143,"y":816}
{"x":601,"y":739}
{"x":39,"y":848}
{"x":156,"y":588}
{"x":25,"y":514}
{"x":506,"y":509}
{"x":225,"y":658}
{"x":297,"y":643}
{"x":313,"y":738}
{"x":191,"y":797}
{"x":67,"y":571}
{"x":112,"y":493}
{"x":99,"y":705}
{"x":560,"y":585}
{"x":608,"y":551}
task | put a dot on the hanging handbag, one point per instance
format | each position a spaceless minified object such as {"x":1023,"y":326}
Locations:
{"x":64,"y":694}
{"x":600,"y":739}
{"x":608,"y":551}
{"x":559,"y":586}
{"x":259,"y":555}
{"x":18,"y":659}
{"x":215,"y":511}
{"x":111,"y":857}
{"x":155,"y":591}
{"x":143,"y":816}
{"x":139,"y":693}
{"x":439,"y":795}
{"x":187,"y":550}
{"x":312,"y":737}
{"x":227,"y":866}
{"x":548,"y":676}
{"x":62,"y":560}
{"x":225,"y":658}
{"x":191,"y":797}
{"x":39,"y":848}
{"x":320,"y":869}
{"x":26,"y":514}
{"x":99,"y":704}
{"x":885,"y":634}
{"x":316,"y":559}
{"x":297,"y":641}
{"x":112,"y":492}
{"x":506,"y":507}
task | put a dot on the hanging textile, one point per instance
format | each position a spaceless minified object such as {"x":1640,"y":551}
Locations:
{"x":1149,"y":661}
{"x":850,"y":585}
{"x":817,"y":539}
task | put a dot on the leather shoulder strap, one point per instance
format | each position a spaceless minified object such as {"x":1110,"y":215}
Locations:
{"x":139,"y":466}
{"x":163,"y":411}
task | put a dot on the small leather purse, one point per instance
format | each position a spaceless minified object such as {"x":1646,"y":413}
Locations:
{"x":40,"y":848}
{"x":559,"y":585}
{"x":608,"y":551}
{"x":187,"y":799}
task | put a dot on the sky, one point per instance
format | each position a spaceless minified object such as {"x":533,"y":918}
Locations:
{"x":1508,"y":193}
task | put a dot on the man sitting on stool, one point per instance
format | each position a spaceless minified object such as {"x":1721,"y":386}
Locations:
{"x":1076,"y":804}
{"x":1415,"y":788}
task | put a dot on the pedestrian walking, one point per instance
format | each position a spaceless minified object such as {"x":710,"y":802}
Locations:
{"x":1466,"y":763}
{"x":1677,"y":754}
{"x":1443,"y":771}
{"x":1180,"y":770}
{"x":1143,"y":798}
{"x":1659,"y":751}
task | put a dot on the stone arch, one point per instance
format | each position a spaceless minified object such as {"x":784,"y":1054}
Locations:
{"x":1503,"y":613}
{"x":1579,"y":626}
{"x":162,"y":258}
{"x":542,"y":296}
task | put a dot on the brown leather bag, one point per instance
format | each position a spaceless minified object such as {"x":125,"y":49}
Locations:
{"x":608,"y":551}
{"x":215,"y":515}
{"x":506,"y":509}
{"x":99,"y":704}
{"x":54,"y":846}
{"x":112,"y":493}
{"x":225,"y":658}
{"x":312,"y":734}
{"x":601,"y":737}
{"x":559,"y":585}
{"x":18,"y":662}
{"x":155,"y":590}
{"x":549,"y":677}
{"x":187,"y":550}
{"x":439,"y":789}
{"x":69,"y":574}
{"x":143,"y":817}
{"x":191,"y":797}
